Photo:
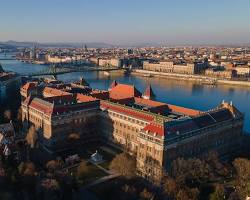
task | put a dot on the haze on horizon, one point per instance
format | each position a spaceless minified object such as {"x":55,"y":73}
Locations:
{"x":127,"y":21}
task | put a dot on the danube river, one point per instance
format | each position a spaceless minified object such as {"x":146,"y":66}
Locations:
{"x":181,"y":93}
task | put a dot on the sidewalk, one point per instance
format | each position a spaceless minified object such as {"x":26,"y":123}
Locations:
{"x":101,"y":180}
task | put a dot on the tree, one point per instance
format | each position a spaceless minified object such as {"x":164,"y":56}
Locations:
{"x":28,"y":179}
{"x":146,"y":194}
{"x":82,"y":170}
{"x":182,"y":195}
{"x":74,"y":136}
{"x":170,"y":186}
{"x":3,"y":178}
{"x":218,"y":194}
{"x":217,"y":168}
{"x":19,"y":114}
{"x":29,"y":169}
{"x":242,"y":167}
{"x":52,"y":165}
{"x":124,"y":164}
{"x":67,"y":184}
{"x":129,"y":192}
{"x":51,"y":189}
{"x":193,"y":193}
{"x":234,"y":196}
{"x":191,"y":171}
{"x":7,"y":115}
{"x":31,"y":136}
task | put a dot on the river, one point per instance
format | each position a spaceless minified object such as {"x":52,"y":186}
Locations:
{"x":183,"y":93}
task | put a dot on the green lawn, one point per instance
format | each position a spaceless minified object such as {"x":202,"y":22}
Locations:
{"x":93,"y":174}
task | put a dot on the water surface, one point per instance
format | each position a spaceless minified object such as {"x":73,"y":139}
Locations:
{"x":183,"y":93}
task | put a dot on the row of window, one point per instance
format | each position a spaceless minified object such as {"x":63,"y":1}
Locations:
{"x":127,"y":118}
{"x":152,"y":139}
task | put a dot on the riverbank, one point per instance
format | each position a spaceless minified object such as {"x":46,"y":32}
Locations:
{"x":189,"y":94}
{"x":194,"y":78}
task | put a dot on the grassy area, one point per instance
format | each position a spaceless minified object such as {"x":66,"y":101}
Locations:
{"x":107,"y":156}
{"x":93,"y":174}
{"x":105,"y":165}
{"x":101,"y":189}
{"x":113,"y":189}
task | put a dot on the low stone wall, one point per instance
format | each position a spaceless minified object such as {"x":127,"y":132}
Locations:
{"x":240,"y":83}
{"x":187,"y":77}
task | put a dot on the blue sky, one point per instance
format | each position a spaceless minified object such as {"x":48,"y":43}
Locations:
{"x":126,"y":21}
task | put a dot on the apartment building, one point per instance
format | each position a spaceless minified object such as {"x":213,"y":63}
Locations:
{"x":170,"y":67}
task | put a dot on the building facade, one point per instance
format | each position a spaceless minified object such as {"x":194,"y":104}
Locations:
{"x":155,"y":133}
{"x":170,"y":67}
{"x":61,"y":119}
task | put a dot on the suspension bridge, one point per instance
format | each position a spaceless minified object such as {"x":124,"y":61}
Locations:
{"x":54,"y":70}
{"x":7,"y":59}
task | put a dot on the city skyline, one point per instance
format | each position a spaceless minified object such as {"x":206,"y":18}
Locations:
{"x":127,"y":23}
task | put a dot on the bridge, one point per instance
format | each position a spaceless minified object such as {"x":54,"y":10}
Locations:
{"x":7,"y":59}
{"x":54,"y":70}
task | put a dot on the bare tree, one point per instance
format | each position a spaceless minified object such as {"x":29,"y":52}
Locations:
{"x":27,"y":168}
{"x":219,"y":193}
{"x":74,"y":136}
{"x":52,"y":165}
{"x":170,"y":186}
{"x":242,"y":167}
{"x":182,"y":195}
{"x":82,"y":170}
{"x":7,"y":115}
{"x":124,"y":164}
{"x":51,"y":189}
{"x":31,"y":136}
{"x":146,"y":194}
{"x":28,"y":180}
{"x":19,"y":114}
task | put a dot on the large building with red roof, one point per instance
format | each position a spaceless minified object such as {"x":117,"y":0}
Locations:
{"x":155,"y":133}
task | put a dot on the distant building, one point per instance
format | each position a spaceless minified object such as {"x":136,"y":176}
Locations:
{"x":170,"y":67}
{"x":113,"y":62}
{"x":243,"y":70}
{"x":220,"y":73}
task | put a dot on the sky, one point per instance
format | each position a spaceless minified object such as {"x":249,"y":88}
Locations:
{"x":126,"y":21}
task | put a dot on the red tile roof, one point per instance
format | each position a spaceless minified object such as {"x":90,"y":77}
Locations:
{"x":154,"y":129}
{"x":48,"y":91}
{"x":149,"y":102}
{"x":121,"y":91}
{"x":47,"y":109}
{"x":182,"y":110}
{"x":85,"y":98}
{"x":63,"y":99}
{"x":29,"y":85}
{"x":127,"y":111}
